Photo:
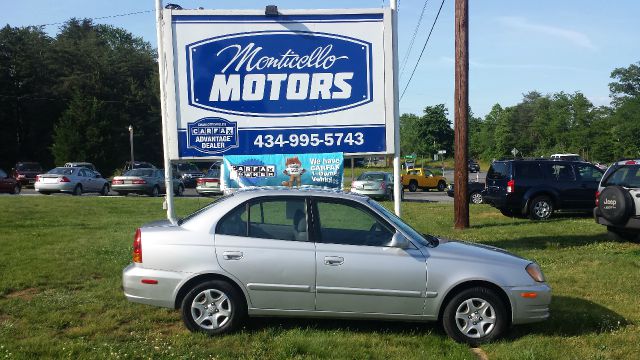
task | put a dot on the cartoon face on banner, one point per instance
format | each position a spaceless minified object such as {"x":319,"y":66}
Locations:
{"x":281,"y":170}
{"x":306,"y":81}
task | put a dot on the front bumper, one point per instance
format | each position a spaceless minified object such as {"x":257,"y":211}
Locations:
{"x":530,"y":309}
{"x":160,"y":294}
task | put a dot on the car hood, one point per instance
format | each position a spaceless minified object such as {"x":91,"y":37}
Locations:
{"x":462,"y":250}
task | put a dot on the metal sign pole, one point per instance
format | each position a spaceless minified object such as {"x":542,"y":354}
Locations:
{"x":397,"y":187}
{"x":168,"y":177}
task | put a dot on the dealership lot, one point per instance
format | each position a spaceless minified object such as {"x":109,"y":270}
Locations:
{"x":61,"y":258}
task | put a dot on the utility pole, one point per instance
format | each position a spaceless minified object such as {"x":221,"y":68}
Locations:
{"x":397,"y":186}
{"x":461,"y":174}
{"x":131,"y":143}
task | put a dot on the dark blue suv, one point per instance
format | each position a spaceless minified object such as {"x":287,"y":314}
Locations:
{"x":536,"y":188}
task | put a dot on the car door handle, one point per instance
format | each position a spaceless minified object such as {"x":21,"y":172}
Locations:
{"x":333,"y":260}
{"x":232,"y":255}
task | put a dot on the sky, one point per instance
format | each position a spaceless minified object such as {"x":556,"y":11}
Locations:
{"x":515,"y":46}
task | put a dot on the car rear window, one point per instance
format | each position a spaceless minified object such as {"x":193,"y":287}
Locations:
{"x":499,"y":170}
{"x":214,"y":173}
{"x":29,"y":167}
{"x":139,"y":172}
{"x":371,"y":177}
{"x":626,"y":176}
{"x":62,"y":171}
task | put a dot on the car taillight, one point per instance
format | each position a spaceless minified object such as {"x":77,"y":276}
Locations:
{"x":139,"y":182}
{"x":137,"y":247}
{"x":117,"y":182}
{"x":383,"y":185}
{"x":200,"y":181}
{"x":37,"y":178}
{"x":64,"y":179}
{"x":597,"y":197}
{"x":511,"y":185}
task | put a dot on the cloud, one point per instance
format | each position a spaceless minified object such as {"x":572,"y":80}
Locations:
{"x":483,"y":65}
{"x":572,"y":36}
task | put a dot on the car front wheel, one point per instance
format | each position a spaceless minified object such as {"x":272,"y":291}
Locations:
{"x":475,"y":316}
{"x":476,"y":198}
{"x":213,"y":307}
{"x":17,"y":189}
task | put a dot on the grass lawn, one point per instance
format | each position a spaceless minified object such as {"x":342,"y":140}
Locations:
{"x":61,"y":259}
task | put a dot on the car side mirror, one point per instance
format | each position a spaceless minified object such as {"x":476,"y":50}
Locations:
{"x":400,"y":241}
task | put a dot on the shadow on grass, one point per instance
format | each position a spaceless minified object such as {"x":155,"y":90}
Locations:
{"x":349,"y":325}
{"x":523,"y":220}
{"x":547,"y":242}
{"x":573,"y":317}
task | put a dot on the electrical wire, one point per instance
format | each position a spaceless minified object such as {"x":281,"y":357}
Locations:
{"x":413,"y":39}
{"x":423,"y":48}
{"x":100,"y":17}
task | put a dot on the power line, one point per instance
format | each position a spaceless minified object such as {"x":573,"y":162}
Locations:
{"x":101,"y":17}
{"x":423,"y":48}
{"x":413,"y":39}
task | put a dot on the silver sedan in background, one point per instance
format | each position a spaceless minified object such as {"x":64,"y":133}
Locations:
{"x":375,"y":184}
{"x":327,"y":254}
{"x":144,"y":181}
{"x":74,"y":180}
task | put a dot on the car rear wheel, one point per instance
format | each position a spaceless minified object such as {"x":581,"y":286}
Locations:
{"x":16,"y":189}
{"x":413,"y":186}
{"x":77,"y":191}
{"x":179,"y":191}
{"x":475,"y":316}
{"x":476,"y":198}
{"x":541,"y":208}
{"x":105,"y":190}
{"x":442,"y":185}
{"x":213,"y":307}
{"x":155,"y":191}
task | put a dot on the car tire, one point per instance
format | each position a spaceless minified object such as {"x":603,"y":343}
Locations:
{"x":476,"y":198}
{"x":540,"y":208}
{"x":616,"y":234}
{"x":413,"y":186}
{"x":441,"y":186}
{"x":213,"y":307}
{"x":475,"y":316}
{"x":155,"y":191}
{"x":389,"y":194}
{"x":616,"y":204}
{"x":105,"y":190}
{"x":179,"y":191}
{"x":77,"y":191}
{"x":16,"y":189}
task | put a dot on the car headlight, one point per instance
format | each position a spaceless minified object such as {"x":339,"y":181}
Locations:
{"x":535,"y":272}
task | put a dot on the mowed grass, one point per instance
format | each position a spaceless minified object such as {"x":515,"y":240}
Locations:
{"x":61,"y":259}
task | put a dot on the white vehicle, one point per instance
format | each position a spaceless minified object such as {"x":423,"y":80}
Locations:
{"x":566,"y":157}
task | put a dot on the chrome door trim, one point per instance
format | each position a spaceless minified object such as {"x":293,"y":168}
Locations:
{"x":279,"y":287}
{"x":358,"y":291}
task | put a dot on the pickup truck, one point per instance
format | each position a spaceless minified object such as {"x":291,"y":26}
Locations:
{"x":424,"y":179}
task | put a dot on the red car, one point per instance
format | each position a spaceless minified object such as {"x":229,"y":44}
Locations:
{"x":8,"y":183}
{"x":25,"y":172}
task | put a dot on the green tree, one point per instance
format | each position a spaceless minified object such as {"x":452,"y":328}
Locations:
{"x":427,"y":134}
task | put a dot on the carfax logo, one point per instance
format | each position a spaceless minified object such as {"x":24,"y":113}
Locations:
{"x":212,"y":135}
{"x":279,"y":73}
{"x":254,"y":171}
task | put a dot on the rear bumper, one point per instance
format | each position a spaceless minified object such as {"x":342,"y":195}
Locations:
{"x":632,"y":223}
{"x":527,"y":309}
{"x":502,"y":201}
{"x":131,"y":188}
{"x":62,"y":187}
{"x":208,"y":190}
{"x":160,"y":294}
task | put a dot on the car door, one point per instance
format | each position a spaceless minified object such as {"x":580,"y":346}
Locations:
{"x":561,"y":176}
{"x":5,"y":183}
{"x":429,"y":179}
{"x":356,"y":269}
{"x":588,"y":177}
{"x":265,"y":244}
{"x":84,"y":180}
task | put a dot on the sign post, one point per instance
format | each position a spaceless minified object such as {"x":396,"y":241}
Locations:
{"x":397,"y":188}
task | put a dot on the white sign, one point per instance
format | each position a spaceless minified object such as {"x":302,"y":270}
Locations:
{"x":305,"y":81}
{"x":441,"y":152}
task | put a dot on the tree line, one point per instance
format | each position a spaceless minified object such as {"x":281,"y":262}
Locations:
{"x":72,"y":97}
{"x":540,"y":125}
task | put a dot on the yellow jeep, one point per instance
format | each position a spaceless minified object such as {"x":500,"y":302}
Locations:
{"x":424,"y":179}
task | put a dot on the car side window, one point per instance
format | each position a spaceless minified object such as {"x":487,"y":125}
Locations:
{"x":234,"y":223}
{"x":3,"y":174}
{"x":351,"y":224}
{"x":586,"y":172}
{"x":278,"y":219}
{"x":82,"y":173}
{"x":528,"y":170}
{"x":558,"y":172}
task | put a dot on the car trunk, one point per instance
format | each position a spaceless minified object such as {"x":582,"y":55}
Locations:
{"x":128,"y":180}
{"x":50,"y":178}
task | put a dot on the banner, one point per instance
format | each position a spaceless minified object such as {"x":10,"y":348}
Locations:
{"x":283,"y":170}
{"x":305,"y":81}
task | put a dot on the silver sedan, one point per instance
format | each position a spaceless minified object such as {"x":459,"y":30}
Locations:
{"x":74,"y":180}
{"x":327,"y":254}
{"x":145,"y":181}
{"x":376,"y":184}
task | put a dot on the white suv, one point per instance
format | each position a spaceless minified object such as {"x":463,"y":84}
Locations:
{"x":618,"y":200}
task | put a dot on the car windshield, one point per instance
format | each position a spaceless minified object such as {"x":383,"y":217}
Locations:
{"x":29,"y":167}
{"x":626,"y":176}
{"x":187,"y":167}
{"x":371,"y":177}
{"x":139,"y":172}
{"x":426,"y":240}
{"x":62,"y":171}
